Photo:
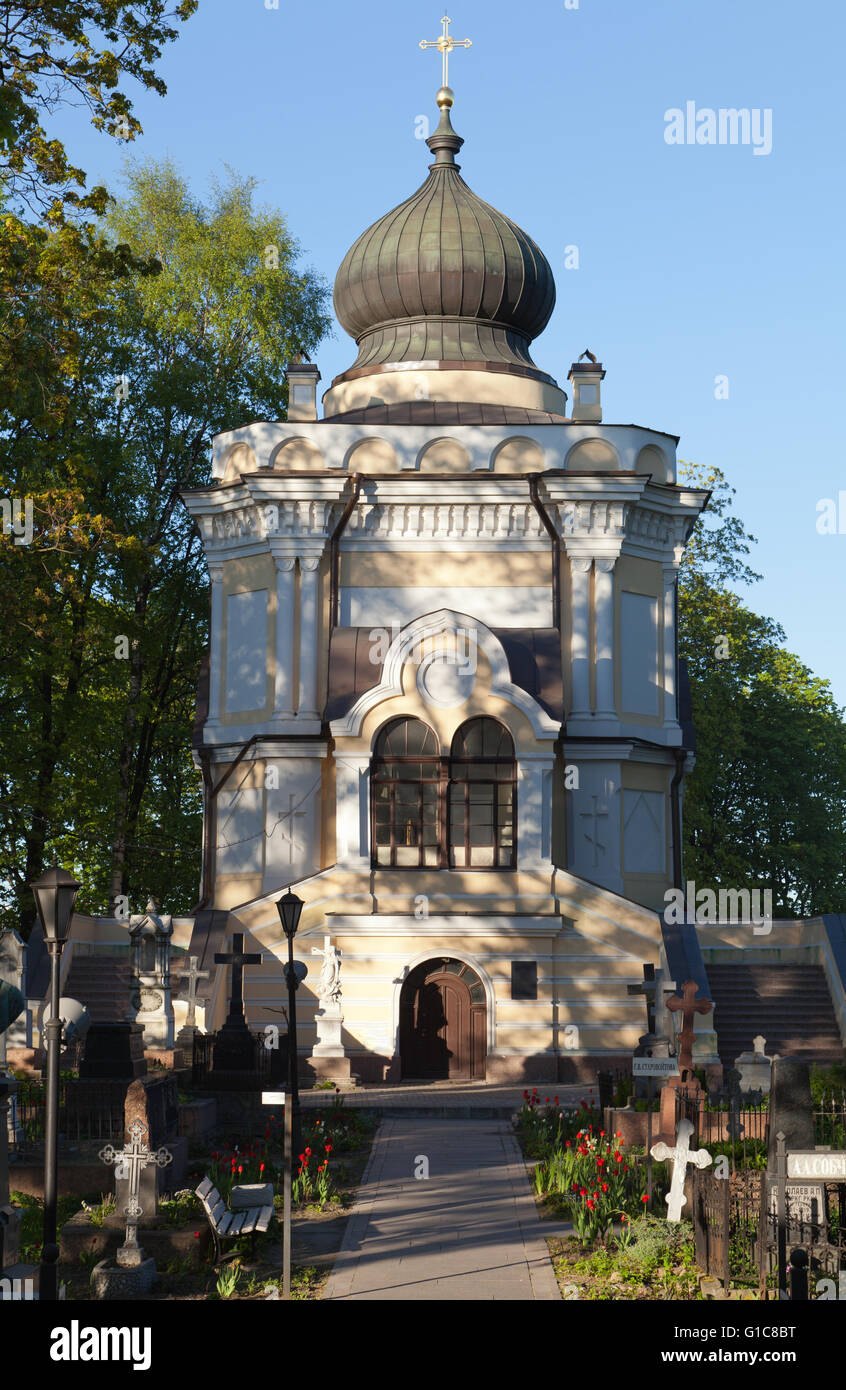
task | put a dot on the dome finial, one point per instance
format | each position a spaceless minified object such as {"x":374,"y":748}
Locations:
{"x":445,"y":143}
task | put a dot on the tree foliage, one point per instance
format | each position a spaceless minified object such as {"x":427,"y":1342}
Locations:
{"x":108,"y":618}
{"x":56,"y":53}
{"x":765,"y":805}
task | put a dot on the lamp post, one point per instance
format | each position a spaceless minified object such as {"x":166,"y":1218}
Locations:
{"x":290,"y":907}
{"x":55,"y":895}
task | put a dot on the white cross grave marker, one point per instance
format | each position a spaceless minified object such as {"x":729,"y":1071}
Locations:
{"x":681,"y":1155}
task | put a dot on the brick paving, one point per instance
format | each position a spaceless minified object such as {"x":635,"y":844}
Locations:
{"x":469,"y":1231}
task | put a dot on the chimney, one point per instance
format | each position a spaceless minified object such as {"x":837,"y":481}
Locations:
{"x":587,"y":399}
{"x":302,"y":391}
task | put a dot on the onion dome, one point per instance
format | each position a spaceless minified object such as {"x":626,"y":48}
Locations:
{"x":444,"y":279}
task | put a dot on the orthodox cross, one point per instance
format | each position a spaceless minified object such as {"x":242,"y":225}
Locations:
{"x":648,"y":988}
{"x":689,"y":1005}
{"x":192,"y":975}
{"x":129,"y":1163}
{"x":595,"y":815}
{"x":446,"y":43}
{"x":288,"y":827}
{"x":237,"y":958}
{"x":681,"y":1155}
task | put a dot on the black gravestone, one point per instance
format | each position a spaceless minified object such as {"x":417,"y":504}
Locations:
{"x":113,"y":1052}
{"x":791,"y":1107}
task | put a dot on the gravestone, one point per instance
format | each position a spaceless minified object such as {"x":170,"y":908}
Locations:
{"x":755,"y":1068}
{"x":234,"y":1045}
{"x":113,"y":1051}
{"x":650,"y":1044}
{"x":680,"y":1155}
{"x":151,"y":1112}
{"x":149,"y":975}
{"x":792,"y":1115}
{"x":191,"y":977}
{"x":132,"y":1273}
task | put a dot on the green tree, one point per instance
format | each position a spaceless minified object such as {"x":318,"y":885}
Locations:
{"x":765,"y":805}
{"x":110,"y":614}
{"x":56,"y":53}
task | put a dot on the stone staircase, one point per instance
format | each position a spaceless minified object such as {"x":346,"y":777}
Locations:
{"x":101,"y":983}
{"x":789,"y":1005}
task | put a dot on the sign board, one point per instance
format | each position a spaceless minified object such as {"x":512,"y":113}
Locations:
{"x":273,"y":1097}
{"x":655,"y":1066}
{"x":826,"y":1167}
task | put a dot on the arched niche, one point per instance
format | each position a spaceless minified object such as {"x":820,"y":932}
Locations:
{"x":372,"y":456}
{"x":592,"y":456}
{"x":518,"y":455}
{"x":653,"y":460}
{"x":297,"y":455}
{"x":444,"y":456}
{"x":237,"y":460}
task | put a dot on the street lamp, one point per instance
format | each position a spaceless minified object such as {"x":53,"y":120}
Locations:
{"x":55,"y":895}
{"x":290,"y":907}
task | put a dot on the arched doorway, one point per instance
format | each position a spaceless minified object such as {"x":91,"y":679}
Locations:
{"x":443,"y":1022}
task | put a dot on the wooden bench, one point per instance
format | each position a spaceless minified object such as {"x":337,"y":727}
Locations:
{"x":230,"y":1225}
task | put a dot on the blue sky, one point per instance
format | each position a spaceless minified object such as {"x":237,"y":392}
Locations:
{"x":695,"y":261}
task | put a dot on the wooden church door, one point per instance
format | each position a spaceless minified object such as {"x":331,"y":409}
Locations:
{"x":442,"y":1023}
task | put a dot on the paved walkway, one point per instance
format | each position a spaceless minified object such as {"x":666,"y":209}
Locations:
{"x":447,"y":1097}
{"x":469,"y":1231}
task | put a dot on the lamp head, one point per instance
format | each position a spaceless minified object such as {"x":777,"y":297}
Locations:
{"x":289,"y":907}
{"x":55,"y":894}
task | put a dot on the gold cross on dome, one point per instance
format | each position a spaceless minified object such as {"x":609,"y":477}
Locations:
{"x":446,"y":43}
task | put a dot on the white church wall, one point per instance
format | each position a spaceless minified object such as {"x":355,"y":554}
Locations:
{"x":517,"y":607}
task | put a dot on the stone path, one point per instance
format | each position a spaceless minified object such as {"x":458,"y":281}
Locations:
{"x":469,"y":1231}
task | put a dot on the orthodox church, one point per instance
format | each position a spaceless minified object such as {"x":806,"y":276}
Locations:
{"x":442,"y":702}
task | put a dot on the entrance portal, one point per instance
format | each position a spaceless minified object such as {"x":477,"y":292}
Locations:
{"x":443,"y":1022}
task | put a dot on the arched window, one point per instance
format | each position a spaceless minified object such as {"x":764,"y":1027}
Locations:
{"x":407,"y":795}
{"x":482,"y":797}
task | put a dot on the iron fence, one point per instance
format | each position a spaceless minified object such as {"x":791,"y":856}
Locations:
{"x":265,"y":1065}
{"x":92,"y":1118}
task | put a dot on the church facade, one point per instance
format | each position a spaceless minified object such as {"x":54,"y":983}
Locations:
{"x":442,"y":701}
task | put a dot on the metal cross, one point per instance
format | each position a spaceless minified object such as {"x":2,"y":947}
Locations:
{"x":237,"y":958}
{"x":191,"y":976}
{"x":681,"y":1155}
{"x":446,"y":43}
{"x":689,"y":1006}
{"x":649,"y":988}
{"x":129,"y":1163}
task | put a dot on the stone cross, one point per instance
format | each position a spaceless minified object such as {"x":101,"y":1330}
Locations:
{"x":649,"y":988}
{"x":129,"y":1163}
{"x":237,"y":958}
{"x":681,"y":1154}
{"x":689,"y":1006}
{"x":191,"y":976}
{"x":760,"y":1046}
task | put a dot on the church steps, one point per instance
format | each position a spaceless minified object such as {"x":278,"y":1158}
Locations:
{"x":789,"y":1005}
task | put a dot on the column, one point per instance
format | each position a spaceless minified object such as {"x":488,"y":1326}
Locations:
{"x":670,"y":715}
{"x":604,"y":599}
{"x":309,"y":565}
{"x":580,"y":639}
{"x":215,"y":642}
{"x":283,"y":704}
